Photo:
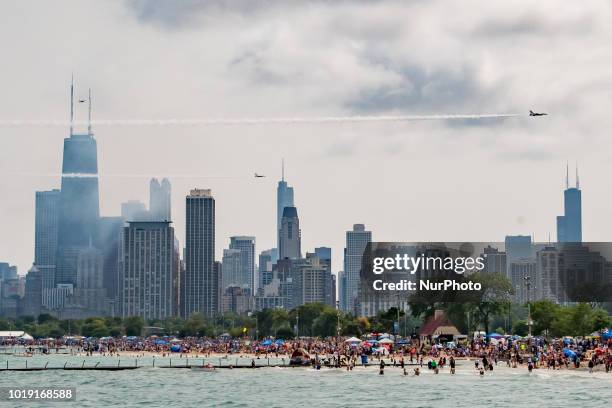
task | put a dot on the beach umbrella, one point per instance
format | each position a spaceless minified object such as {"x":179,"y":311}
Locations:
{"x":386,"y":341}
{"x":569,"y":353}
{"x":161,"y":342}
{"x":606,"y":334}
{"x":266,"y":342}
{"x":175,"y":348}
{"x":495,"y":335}
{"x":352,"y":340}
{"x":280,"y":342}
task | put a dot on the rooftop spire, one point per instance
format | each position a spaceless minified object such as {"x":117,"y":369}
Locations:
{"x":71,"y":105}
{"x":283,"y":169}
{"x":577,"y":179}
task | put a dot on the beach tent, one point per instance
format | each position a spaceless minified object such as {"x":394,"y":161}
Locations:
{"x":352,"y":340}
{"x":26,"y":336}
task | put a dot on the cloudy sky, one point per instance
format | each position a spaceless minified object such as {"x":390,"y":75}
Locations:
{"x":436,"y":180}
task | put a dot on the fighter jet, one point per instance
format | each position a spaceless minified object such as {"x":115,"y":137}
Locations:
{"x":532,"y":113}
{"x":82,"y":100}
{"x":259,"y":175}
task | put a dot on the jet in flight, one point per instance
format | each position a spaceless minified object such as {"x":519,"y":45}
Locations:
{"x":532,"y":113}
{"x":259,"y":175}
{"x":82,"y":100}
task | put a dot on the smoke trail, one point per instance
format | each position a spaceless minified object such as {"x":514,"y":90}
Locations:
{"x":256,"y":121}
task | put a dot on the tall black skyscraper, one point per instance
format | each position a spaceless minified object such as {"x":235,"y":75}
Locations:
{"x":79,"y":198}
{"x":569,"y":225}
{"x":284,"y":198}
{"x":201,"y":286}
{"x":45,"y":235}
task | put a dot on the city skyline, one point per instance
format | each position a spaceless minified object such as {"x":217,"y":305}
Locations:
{"x":363,"y":60}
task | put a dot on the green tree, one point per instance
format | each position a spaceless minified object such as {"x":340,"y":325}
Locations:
{"x":285,"y":333}
{"x":520,"y":328}
{"x":133,"y":325}
{"x":326,"y":324}
{"x":544,"y":313}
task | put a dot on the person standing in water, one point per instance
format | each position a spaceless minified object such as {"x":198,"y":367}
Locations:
{"x":452,"y":365}
{"x":382,"y":367}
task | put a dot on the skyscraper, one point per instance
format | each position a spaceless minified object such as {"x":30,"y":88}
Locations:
{"x":289,"y":235}
{"x":356,"y":242}
{"x":159,"y":200}
{"x":284,"y":198}
{"x":201,"y":278}
{"x":134,"y":210}
{"x":569,"y":225}
{"x":45,"y":235}
{"x":246,"y":246}
{"x":266,"y":260}
{"x":231,"y":270}
{"x":79,"y":199}
{"x":148,"y":266}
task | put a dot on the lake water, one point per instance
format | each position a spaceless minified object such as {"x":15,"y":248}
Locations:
{"x":282,"y":387}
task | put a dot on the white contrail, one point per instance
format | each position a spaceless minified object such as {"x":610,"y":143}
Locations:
{"x":255,"y":121}
{"x":145,"y":176}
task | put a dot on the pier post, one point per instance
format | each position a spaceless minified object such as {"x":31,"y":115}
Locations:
{"x":153,"y":361}
{"x":26,"y":363}
{"x":170,"y":362}
{"x":83,"y":365}
{"x":136,"y":362}
{"x":119,"y":363}
{"x":186,"y":362}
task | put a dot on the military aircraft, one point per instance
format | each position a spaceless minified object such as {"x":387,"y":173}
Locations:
{"x":82,"y":100}
{"x":259,"y":175}
{"x":532,"y":113}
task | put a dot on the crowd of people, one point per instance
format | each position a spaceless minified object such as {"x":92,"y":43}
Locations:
{"x":339,"y":352}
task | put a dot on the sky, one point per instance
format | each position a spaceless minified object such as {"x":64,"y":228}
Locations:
{"x":470,"y":180}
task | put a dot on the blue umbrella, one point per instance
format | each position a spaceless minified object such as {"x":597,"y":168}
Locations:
{"x":266,"y":342}
{"x":175,"y":348}
{"x":606,"y":334}
{"x":569,"y":353}
{"x":161,"y":342}
{"x":495,"y":335}
{"x":280,"y":342}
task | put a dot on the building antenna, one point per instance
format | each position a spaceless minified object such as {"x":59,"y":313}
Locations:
{"x":89,"y":115}
{"x":577,"y":179}
{"x":283,"y":169}
{"x":71,"y":105}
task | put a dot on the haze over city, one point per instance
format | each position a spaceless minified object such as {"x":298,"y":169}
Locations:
{"x":413,"y":181}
